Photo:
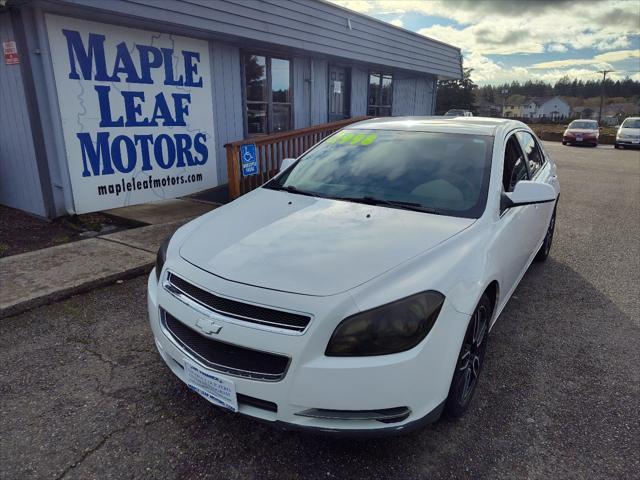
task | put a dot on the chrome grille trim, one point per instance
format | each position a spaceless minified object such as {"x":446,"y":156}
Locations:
{"x":246,"y":321}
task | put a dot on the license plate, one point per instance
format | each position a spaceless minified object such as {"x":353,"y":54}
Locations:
{"x":635,"y":141}
{"x":578,"y":139}
{"x":217,"y":390}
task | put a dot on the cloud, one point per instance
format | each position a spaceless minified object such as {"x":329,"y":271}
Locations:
{"x":556,"y":47}
{"x":601,"y":60}
{"x":490,"y":29}
{"x":397,"y":22}
{"x":519,"y":27}
{"x":488,"y":71}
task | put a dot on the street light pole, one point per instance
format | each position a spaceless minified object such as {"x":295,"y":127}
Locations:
{"x":604,"y":76}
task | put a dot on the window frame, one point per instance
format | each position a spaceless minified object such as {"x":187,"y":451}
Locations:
{"x":379,"y":105}
{"x":533,"y":175}
{"x":269,"y":56}
{"x":504,"y":157}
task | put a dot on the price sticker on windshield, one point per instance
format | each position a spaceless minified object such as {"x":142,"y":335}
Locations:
{"x":347,"y":137}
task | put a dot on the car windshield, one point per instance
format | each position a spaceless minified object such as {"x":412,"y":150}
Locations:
{"x":631,"y":123}
{"x":584,"y":125}
{"x":441,"y":173}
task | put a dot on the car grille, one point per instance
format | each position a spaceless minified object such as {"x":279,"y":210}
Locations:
{"x":239,"y":310}
{"x":226,"y":357}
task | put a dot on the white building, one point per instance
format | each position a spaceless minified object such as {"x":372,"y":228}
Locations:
{"x":553,"y":108}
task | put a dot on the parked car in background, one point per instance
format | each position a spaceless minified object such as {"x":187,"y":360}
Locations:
{"x":628,"y":134}
{"x":355,"y":294}
{"x":457,"y":112}
{"x":581,"y":132}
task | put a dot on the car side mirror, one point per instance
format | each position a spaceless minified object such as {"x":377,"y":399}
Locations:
{"x":527,"y":192}
{"x":286,"y":163}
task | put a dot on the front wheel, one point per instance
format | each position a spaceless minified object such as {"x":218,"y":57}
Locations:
{"x":543,"y":253}
{"x":470,"y":360}
{"x":564,"y":143}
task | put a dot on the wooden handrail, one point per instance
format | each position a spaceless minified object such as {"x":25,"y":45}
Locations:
{"x":272,"y":149}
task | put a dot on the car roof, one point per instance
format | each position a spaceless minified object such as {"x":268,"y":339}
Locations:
{"x":464,"y":125}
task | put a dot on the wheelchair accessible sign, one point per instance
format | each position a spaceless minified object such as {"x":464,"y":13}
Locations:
{"x":248,"y":159}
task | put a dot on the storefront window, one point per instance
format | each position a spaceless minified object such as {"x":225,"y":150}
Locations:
{"x":380,"y":94}
{"x":267,"y":94}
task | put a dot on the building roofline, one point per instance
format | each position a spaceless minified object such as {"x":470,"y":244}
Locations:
{"x":387,"y":24}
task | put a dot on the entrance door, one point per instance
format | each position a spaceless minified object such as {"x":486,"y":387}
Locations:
{"x":339,"y":99}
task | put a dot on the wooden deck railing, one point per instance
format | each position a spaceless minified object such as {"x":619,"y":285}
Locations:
{"x":271,"y":150}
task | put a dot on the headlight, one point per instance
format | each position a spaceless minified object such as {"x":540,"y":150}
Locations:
{"x":161,"y":256}
{"x":622,"y":135}
{"x":391,"y":328}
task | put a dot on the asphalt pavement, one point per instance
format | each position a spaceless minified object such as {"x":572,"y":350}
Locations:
{"x":85,"y":395}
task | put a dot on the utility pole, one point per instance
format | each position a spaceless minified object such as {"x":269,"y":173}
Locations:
{"x":604,"y":76}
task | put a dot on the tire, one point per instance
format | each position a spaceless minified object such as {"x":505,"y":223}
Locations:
{"x":564,"y":143}
{"x":616,"y":146}
{"x":545,"y":248}
{"x":470,"y":360}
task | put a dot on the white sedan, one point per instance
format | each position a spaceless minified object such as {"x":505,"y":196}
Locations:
{"x":355,"y":291}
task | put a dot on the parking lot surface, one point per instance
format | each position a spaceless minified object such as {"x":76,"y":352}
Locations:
{"x":85,"y":395}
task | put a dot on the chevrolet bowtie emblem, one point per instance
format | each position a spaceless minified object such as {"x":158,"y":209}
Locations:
{"x":208,"y":326}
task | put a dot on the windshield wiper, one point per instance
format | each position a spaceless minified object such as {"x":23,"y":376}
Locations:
{"x":368,"y":200}
{"x":292,"y":189}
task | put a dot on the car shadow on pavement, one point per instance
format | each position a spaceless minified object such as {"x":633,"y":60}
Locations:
{"x":85,"y":394}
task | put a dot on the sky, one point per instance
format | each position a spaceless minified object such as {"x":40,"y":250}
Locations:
{"x":506,"y":40}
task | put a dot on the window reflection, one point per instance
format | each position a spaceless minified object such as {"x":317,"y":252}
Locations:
{"x":380,"y":94}
{"x":267,"y":94}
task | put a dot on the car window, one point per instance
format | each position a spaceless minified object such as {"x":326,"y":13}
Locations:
{"x":445,"y":172}
{"x":631,"y":123}
{"x":515,"y":168}
{"x":532,"y":151}
{"x":583,"y":124}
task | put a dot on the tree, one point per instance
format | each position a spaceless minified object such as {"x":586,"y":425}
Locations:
{"x":456,"y":93}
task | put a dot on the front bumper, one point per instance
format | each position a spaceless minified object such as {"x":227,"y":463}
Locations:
{"x":417,"y":380}
{"x":584,"y":141}
{"x":628,"y":142}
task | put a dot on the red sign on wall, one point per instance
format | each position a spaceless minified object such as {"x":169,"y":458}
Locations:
{"x":10,"y":53}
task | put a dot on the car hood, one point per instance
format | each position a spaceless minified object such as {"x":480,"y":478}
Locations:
{"x":629,"y":131}
{"x":307,"y":245}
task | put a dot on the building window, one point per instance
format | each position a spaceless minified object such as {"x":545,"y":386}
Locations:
{"x":380,"y":93}
{"x":267,"y":87}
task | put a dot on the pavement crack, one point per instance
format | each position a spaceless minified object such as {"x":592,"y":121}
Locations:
{"x":90,"y":451}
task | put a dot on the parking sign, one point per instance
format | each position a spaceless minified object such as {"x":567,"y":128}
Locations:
{"x":248,"y":159}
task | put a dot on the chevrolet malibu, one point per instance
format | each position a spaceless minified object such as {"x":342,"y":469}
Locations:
{"x":355,"y":291}
{"x":581,"y":132}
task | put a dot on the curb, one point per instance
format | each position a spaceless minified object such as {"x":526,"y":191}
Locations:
{"x":71,"y":291}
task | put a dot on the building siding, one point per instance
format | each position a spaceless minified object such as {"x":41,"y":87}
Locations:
{"x":227,"y":101}
{"x":19,"y":178}
{"x":359,"y":86}
{"x":300,"y":24}
{"x":413,"y":96}
{"x":319,"y":86}
{"x":301,"y":92}
{"x":424,"y":96}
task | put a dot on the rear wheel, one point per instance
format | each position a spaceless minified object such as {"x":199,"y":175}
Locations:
{"x":470,"y":360}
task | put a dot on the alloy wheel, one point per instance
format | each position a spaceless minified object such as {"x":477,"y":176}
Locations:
{"x":472,"y":354}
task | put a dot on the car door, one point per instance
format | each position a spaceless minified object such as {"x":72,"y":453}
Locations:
{"x":516,"y":228}
{"x":539,"y":171}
